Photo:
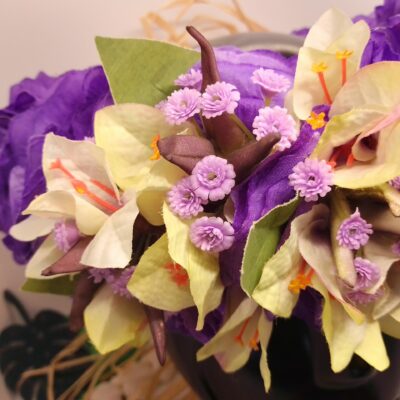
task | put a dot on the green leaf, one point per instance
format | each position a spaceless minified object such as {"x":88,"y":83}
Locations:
{"x":262,"y":242}
{"x":63,"y":285}
{"x":143,"y":71}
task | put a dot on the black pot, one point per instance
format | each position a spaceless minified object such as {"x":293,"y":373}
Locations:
{"x":298,"y":358}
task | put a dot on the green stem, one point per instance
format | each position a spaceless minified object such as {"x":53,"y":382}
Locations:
{"x":241,"y":125}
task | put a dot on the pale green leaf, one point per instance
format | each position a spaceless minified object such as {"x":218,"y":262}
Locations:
{"x":261,"y":243}
{"x":152,"y":283}
{"x":202,"y":267}
{"x":112,"y":321}
{"x":64,"y":285}
{"x":143,"y":71}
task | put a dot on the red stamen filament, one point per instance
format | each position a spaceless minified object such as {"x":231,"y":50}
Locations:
{"x":343,"y":152}
{"x":81,"y":187}
{"x":253,"y":344}
{"x":239,"y":337}
{"x":178,"y":274}
{"x":322,"y":81}
{"x":104,"y":188}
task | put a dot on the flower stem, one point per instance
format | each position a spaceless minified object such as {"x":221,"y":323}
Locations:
{"x":242,"y":126}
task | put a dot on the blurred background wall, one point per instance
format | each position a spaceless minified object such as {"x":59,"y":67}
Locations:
{"x":57,"y":35}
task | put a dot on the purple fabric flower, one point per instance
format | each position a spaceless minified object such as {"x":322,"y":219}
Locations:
{"x":218,"y":98}
{"x":183,"y":201}
{"x":266,"y":188}
{"x":66,"y":235}
{"x":211,"y":234}
{"x":368,"y":274}
{"x":272,"y":120}
{"x":116,"y":278}
{"x":191,"y":79}
{"x":359,"y":297}
{"x":354,"y":232}
{"x":384,"y":44}
{"x":270,"y":82}
{"x":213,"y":178}
{"x":181,"y":105}
{"x":64,"y":105}
{"x":237,"y":66}
{"x":395,"y":183}
{"x":312,"y":179}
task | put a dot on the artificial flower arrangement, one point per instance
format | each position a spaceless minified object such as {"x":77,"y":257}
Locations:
{"x":220,"y":187}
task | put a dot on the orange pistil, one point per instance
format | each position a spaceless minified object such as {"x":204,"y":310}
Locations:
{"x":302,"y":281}
{"x":253,"y":344}
{"x":154,"y":146}
{"x":178,"y":273}
{"x":81,"y":188}
{"x":239,"y":337}
{"x":319,"y":69}
{"x":316,"y":121}
{"x":343,"y":154}
{"x":343,"y":56}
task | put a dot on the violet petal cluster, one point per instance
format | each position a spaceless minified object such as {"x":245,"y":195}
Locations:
{"x":354,"y":232}
{"x":116,"y":278}
{"x":191,"y":79}
{"x":212,"y":234}
{"x":66,"y":235}
{"x":395,"y":183}
{"x":368,"y":273}
{"x":213,"y":178}
{"x":181,"y":105}
{"x":271,"y":120}
{"x":219,"y":98}
{"x":312,"y":179}
{"x":64,"y":105}
{"x":183,"y":200}
{"x":271,"y":83}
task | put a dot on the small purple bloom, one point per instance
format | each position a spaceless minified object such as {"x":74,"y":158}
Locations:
{"x":395,"y":183}
{"x":181,"y":105}
{"x":396,"y":249}
{"x":362,"y":298}
{"x":312,"y":179}
{"x":117,"y":279}
{"x":182,"y":199}
{"x":212,"y":234}
{"x":191,"y":79}
{"x":219,"y":98}
{"x":213,"y":178}
{"x":354,"y":232}
{"x":272,"y":120}
{"x":66,"y":235}
{"x":271,"y":83}
{"x":368,"y":273}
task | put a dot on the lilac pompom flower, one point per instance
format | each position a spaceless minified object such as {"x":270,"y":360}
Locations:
{"x":218,"y":98}
{"x":191,"y":79}
{"x":271,"y":120}
{"x":212,"y":234}
{"x":181,"y":105}
{"x":116,"y":278}
{"x":271,"y":82}
{"x":395,"y":183}
{"x":66,"y":235}
{"x":312,"y":179}
{"x":368,"y":273}
{"x":354,"y":232}
{"x":183,"y":200}
{"x":213,"y":178}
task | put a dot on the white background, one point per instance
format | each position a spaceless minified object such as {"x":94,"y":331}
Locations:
{"x":57,"y":35}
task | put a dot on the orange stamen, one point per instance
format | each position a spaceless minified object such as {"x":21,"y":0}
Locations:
{"x":81,"y":187}
{"x":178,"y":274}
{"x":319,"y":69}
{"x":239,"y":337}
{"x":104,"y":188}
{"x":343,"y":152}
{"x":253,"y":344}
{"x":343,"y":56}
{"x":316,"y":121}
{"x":154,"y":146}
{"x":301,"y":281}
{"x":350,"y":160}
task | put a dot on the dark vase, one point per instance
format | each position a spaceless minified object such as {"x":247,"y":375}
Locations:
{"x":298,"y":356}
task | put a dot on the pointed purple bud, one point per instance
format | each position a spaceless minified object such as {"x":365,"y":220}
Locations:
{"x":185,"y":151}
{"x":157,"y":328}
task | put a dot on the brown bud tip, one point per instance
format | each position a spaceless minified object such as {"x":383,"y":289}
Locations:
{"x":70,"y":261}
{"x":185,"y":151}
{"x":157,"y":328}
{"x":245,"y":159}
{"x":84,"y":292}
